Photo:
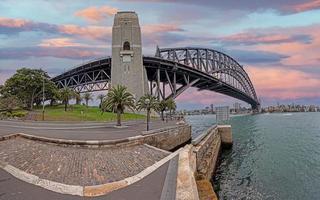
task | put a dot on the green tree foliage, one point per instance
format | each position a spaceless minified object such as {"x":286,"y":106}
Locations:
{"x":148,"y":102}
{"x":171,"y":105}
{"x":100,"y":97}
{"x":1,"y":90}
{"x":87,"y":97}
{"x":65,"y":95}
{"x":118,"y":98}
{"x":78,"y":98}
{"x":26,"y":84}
{"x":9,"y":103}
{"x":162,"y":107}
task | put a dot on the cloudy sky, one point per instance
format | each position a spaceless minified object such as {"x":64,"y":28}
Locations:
{"x":277,"y":41}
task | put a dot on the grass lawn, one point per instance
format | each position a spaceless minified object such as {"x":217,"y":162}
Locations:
{"x":81,"y":113}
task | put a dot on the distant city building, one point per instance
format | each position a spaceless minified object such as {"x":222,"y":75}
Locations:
{"x":237,"y":106}
{"x":222,"y":114}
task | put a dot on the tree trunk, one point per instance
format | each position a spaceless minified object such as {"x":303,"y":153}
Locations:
{"x":148,"y":119}
{"x":170,"y":115}
{"x":118,"y":117}
{"x":65,"y":105}
{"x":162,"y":118}
{"x":32,"y":99}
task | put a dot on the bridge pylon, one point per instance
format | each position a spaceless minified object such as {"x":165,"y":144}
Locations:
{"x":127,"y":64}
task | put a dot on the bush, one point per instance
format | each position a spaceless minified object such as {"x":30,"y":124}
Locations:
{"x":15,"y":114}
{"x":19,"y":114}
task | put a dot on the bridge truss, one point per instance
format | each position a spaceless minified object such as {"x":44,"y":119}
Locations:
{"x":171,"y":72}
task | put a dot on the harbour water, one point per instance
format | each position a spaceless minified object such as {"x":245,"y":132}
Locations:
{"x":274,"y":156}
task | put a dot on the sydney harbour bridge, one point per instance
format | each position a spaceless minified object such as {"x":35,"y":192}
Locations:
{"x":168,"y":73}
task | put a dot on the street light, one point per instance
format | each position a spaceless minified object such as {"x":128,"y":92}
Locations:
{"x":148,"y":112}
{"x":43,"y":97}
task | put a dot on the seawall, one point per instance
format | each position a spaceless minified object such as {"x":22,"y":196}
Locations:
{"x":200,"y":161}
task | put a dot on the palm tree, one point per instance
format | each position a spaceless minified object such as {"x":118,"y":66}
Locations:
{"x":78,"y":98}
{"x":118,"y":98}
{"x":162,"y":107}
{"x":148,"y":102}
{"x":171,"y":105}
{"x":66,"y":94}
{"x":101,"y":97}
{"x":87,"y":97}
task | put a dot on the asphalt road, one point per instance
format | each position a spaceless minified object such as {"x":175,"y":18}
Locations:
{"x":79,"y":131}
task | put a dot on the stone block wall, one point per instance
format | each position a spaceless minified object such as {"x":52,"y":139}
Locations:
{"x":207,"y":152}
{"x":168,"y":138}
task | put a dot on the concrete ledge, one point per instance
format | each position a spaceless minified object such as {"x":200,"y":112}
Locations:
{"x":49,"y":185}
{"x":198,"y":139}
{"x":186,"y":183}
{"x":225,"y":132}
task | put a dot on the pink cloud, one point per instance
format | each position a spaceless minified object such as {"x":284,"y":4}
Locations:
{"x":302,"y":54}
{"x":158,"y":28}
{"x":255,"y":38}
{"x":91,"y":32}
{"x":96,"y":13}
{"x":313,"y":4}
{"x":280,"y":83}
{"x":13,"y":23}
{"x":59,"y":42}
{"x":204,"y":97}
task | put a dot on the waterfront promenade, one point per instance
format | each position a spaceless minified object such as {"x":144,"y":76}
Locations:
{"x":120,"y":171}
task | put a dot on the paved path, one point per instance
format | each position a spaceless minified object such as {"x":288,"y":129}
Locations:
{"x":80,"y":131}
{"x":75,"y":165}
{"x":149,"y":188}
{"x":83,"y":166}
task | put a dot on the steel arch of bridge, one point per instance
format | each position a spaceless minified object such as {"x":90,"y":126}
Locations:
{"x":170,"y":72}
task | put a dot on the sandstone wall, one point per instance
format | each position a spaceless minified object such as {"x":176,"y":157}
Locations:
{"x":168,"y":138}
{"x":207,"y":151}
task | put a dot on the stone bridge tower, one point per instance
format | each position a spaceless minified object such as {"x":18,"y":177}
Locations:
{"x":127,"y":65}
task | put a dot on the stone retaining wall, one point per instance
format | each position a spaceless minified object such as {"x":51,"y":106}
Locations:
{"x":165,"y":138}
{"x":168,"y":138}
{"x":207,"y":151}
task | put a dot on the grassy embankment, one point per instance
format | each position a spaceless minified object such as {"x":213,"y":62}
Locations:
{"x":80,"y":113}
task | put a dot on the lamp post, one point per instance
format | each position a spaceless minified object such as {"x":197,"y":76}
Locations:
{"x":43,"y":98}
{"x":148,"y":112}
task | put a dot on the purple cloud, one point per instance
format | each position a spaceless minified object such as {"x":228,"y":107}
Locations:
{"x":284,"y":6}
{"x":57,"y":52}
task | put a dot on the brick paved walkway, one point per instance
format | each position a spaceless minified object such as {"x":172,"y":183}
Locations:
{"x":77,"y":166}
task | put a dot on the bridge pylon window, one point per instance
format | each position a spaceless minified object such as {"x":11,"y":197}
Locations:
{"x":126,"y":46}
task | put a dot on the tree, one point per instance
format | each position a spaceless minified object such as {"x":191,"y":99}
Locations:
{"x":100,"y":97}
{"x":1,"y":90}
{"x":171,"y":105}
{"x":78,"y":98}
{"x":87,"y":97}
{"x":162,"y":107}
{"x":26,"y":84}
{"x":9,"y":103}
{"x":66,"y":94}
{"x":148,"y":102}
{"x":118,"y":98}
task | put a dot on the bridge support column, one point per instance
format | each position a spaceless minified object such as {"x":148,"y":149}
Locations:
{"x":127,"y":66}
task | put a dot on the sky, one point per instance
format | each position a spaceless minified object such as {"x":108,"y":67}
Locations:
{"x":277,"y":41}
